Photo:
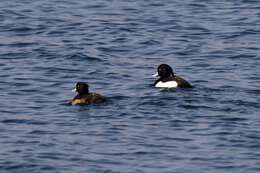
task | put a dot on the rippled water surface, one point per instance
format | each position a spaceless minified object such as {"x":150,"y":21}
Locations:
{"x":115,"y":46}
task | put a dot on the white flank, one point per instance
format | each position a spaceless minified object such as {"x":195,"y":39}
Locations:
{"x":155,"y":75}
{"x":170,"y":84}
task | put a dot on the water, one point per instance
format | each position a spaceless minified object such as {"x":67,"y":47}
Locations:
{"x":115,"y":46}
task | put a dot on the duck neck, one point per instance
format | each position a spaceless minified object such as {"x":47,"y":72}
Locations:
{"x":82,"y":93}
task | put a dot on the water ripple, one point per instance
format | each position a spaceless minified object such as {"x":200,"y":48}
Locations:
{"x":115,"y":46}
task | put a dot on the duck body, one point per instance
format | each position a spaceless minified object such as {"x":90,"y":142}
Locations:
{"x":90,"y":98}
{"x":172,"y":82}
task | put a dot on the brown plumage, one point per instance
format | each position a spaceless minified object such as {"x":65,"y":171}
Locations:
{"x":84,"y":97}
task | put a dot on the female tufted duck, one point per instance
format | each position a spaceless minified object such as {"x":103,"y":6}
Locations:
{"x":84,"y":97}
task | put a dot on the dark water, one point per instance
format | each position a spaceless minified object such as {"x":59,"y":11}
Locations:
{"x":115,"y":46}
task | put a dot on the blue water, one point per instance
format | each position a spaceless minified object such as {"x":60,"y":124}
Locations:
{"x":115,"y":46}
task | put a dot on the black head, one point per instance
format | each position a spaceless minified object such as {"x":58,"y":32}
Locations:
{"x":82,"y":87}
{"x":165,"y":70}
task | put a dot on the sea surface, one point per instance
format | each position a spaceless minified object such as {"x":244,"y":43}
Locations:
{"x":46,"y":46}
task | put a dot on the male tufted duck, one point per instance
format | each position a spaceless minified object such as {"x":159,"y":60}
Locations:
{"x":167,"y":78}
